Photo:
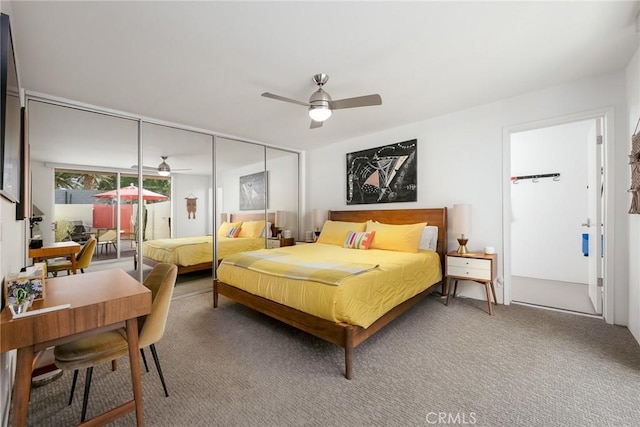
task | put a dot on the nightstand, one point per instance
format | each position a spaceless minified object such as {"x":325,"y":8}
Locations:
{"x":280,"y":243}
{"x":477,"y":267}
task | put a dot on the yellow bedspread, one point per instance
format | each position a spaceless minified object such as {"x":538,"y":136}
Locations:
{"x":284,"y":265}
{"x":188,"y":251}
{"x":360,"y":299}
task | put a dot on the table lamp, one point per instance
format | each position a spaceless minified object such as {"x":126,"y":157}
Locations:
{"x":462,"y":225}
{"x":318,"y":220}
{"x":280,"y":222}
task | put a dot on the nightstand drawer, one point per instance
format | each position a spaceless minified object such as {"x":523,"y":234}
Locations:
{"x":469,"y":273}
{"x":273,"y":243}
{"x":480,"y":264}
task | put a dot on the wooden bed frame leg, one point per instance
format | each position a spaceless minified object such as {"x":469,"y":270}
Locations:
{"x":348,"y":351}
{"x":215,"y":294}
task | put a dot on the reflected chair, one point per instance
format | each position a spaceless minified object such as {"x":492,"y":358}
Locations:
{"x":83,"y":259}
{"x":106,"y":240}
{"x":93,"y":350}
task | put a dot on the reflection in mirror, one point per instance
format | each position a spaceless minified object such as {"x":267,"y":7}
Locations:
{"x":84,"y":164}
{"x":178,"y":207}
{"x":283,"y":193}
{"x":73,"y":159}
{"x":241,"y":197}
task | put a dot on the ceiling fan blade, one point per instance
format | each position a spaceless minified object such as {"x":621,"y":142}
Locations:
{"x":358,"y":101}
{"x":315,"y":124}
{"x":282,"y":98}
{"x":155,"y":168}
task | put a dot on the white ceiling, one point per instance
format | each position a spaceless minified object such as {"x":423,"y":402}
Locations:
{"x":205,"y":64}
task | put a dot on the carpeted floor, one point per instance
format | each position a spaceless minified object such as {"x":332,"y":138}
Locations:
{"x":434,"y":365}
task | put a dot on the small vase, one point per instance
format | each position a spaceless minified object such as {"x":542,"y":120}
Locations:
{"x":16,"y":308}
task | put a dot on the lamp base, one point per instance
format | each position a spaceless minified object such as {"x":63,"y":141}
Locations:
{"x":462,"y":249}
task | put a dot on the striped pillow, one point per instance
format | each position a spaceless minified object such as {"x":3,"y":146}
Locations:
{"x":233,"y":231}
{"x":359,"y":239}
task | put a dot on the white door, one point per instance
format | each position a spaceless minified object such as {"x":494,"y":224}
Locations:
{"x":593,"y":223}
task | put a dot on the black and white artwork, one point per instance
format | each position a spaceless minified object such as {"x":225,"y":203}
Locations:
{"x":253,"y":191}
{"x":383,"y":175}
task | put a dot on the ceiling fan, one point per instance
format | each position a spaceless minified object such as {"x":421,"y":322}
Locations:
{"x":321,"y":105}
{"x":163,"y":168}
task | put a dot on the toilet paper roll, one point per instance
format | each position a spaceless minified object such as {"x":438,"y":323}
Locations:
{"x":489,"y":250}
{"x":287,"y":234}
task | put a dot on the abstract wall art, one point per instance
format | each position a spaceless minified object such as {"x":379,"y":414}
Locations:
{"x":385,"y":174}
{"x":253,"y":191}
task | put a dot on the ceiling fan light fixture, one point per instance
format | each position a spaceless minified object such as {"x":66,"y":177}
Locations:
{"x":163,"y":168}
{"x":319,"y":113}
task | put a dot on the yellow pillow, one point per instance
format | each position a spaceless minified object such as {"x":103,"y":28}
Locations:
{"x":335,"y":232}
{"x":225,"y":226}
{"x":402,"y":238}
{"x":251,"y":228}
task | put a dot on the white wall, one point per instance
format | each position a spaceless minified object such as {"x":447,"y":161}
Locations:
{"x":633,"y":105}
{"x":547,"y":208}
{"x":184,"y":186}
{"x":460,"y":161}
{"x":76,"y":212}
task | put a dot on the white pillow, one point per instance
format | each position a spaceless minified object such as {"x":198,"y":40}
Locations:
{"x":429,"y":238}
{"x":269,"y":232}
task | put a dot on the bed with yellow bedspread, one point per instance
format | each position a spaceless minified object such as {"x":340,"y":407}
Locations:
{"x":358,"y":299}
{"x":341,"y":294}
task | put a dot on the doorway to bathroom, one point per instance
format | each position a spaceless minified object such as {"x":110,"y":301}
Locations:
{"x":557,"y":219}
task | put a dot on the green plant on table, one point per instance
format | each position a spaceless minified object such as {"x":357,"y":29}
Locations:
{"x":22,"y":292}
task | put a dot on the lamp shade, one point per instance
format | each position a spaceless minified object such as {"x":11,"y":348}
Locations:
{"x":318,"y":218}
{"x":281,"y":219}
{"x":462,"y":219}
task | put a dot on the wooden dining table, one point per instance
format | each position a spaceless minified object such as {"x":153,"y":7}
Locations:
{"x":74,"y":306}
{"x":55,"y":250}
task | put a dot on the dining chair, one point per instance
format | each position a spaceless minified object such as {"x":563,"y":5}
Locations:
{"x":90,"y":351}
{"x":83,"y":259}
{"x":107,"y":240}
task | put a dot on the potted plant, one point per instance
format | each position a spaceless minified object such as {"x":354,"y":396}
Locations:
{"x":20,"y":297}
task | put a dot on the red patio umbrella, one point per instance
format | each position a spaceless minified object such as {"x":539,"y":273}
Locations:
{"x":131,"y":193}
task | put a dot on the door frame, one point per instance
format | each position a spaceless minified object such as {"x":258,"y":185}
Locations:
{"x":607,"y":116}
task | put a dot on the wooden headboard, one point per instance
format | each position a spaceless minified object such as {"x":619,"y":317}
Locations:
{"x":271,"y":217}
{"x":435,"y":216}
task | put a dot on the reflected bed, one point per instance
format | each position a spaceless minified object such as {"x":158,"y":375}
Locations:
{"x":196,"y":253}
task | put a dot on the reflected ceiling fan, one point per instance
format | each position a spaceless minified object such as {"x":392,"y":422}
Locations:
{"x":163,"y":168}
{"x":321,"y":105}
